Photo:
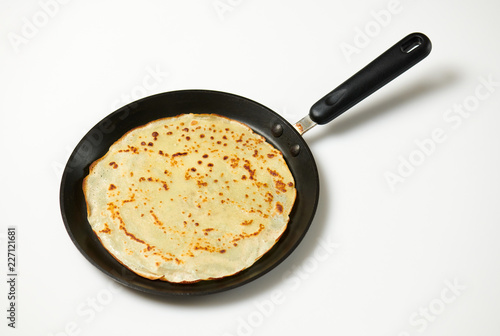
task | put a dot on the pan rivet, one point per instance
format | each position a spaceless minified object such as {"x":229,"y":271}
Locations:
{"x":295,"y":150}
{"x":277,"y":130}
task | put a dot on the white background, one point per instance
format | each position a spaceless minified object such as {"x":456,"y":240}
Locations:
{"x":419,"y":258}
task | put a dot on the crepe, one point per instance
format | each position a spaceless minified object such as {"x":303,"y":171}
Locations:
{"x":189,"y":198}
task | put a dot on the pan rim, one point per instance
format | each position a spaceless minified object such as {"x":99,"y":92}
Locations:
{"x":63,"y":197}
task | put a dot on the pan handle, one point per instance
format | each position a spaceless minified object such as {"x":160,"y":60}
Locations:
{"x":392,"y":63}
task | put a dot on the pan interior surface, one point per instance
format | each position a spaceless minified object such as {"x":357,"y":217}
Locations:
{"x":263,"y":121}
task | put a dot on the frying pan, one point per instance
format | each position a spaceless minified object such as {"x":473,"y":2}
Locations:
{"x":281,"y":134}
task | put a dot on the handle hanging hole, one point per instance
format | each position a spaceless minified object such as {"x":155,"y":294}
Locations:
{"x":411,"y":44}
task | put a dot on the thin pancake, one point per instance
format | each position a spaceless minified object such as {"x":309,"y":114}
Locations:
{"x":189,"y":198}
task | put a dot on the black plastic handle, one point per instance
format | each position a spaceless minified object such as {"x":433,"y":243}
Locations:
{"x":392,"y":63}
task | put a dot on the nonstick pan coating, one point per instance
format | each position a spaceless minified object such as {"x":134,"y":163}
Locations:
{"x":261,"y":119}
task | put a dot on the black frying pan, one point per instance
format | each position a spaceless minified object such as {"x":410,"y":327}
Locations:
{"x":282,"y":135}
